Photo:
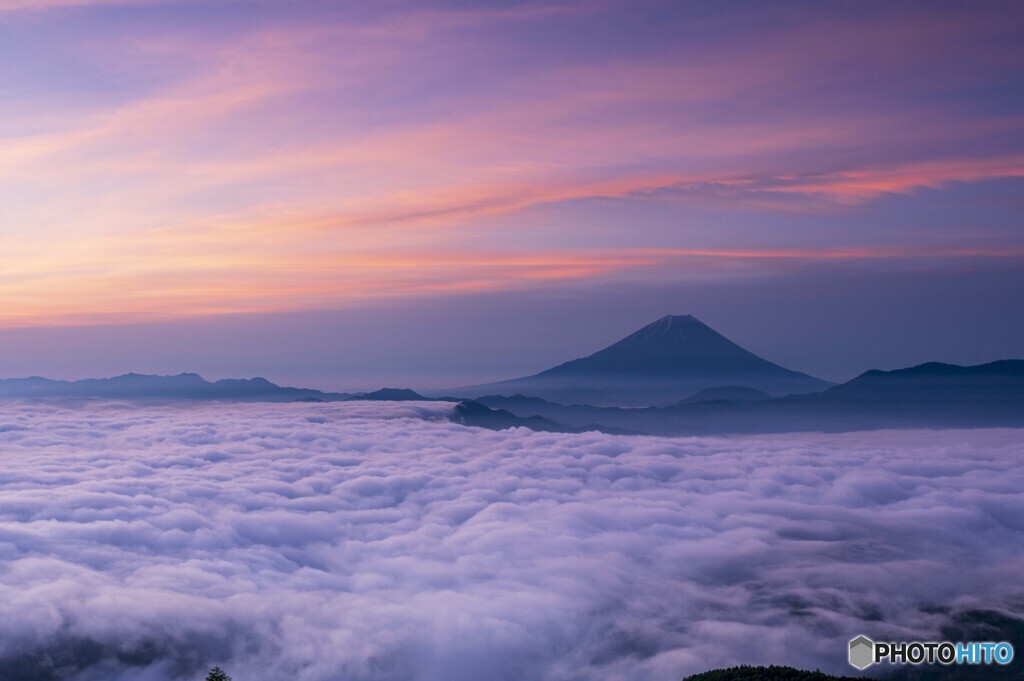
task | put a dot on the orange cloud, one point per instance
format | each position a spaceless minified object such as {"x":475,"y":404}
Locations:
{"x":77,"y":289}
{"x":258,"y":173}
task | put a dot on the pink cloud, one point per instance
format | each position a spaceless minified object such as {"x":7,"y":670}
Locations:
{"x":263,"y":165}
{"x":75,"y":288}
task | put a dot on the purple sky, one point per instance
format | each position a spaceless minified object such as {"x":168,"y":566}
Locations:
{"x":344,"y":195}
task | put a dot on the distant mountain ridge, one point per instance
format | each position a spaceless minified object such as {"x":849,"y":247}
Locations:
{"x":666,"y":361}
{"x":192,"y":387}
{"x":935,"y":381}
{"x":929,"y":395}
{"x":185,"y":386}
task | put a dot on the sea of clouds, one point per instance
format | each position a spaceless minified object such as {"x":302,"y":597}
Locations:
{"x":359,"y":541}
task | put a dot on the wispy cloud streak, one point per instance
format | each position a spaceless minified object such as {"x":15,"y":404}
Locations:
{"x":216,"y":147}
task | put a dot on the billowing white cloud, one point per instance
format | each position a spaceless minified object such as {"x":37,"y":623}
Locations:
{"x":358,"y":541}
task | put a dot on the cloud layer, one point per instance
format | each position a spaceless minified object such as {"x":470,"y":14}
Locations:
{"x":378,"y":541}
{"x":165,"y":159}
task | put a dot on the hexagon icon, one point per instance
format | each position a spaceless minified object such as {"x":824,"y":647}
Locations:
{"x":862,"y":652}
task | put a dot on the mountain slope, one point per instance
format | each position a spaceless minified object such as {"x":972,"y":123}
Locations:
{"x":665,"y":361}
{"x":728,"y":393}
{"x":925,"y":396}
{"x":937,"y":382}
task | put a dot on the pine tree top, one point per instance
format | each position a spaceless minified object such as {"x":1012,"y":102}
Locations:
{"x":217,"y":674}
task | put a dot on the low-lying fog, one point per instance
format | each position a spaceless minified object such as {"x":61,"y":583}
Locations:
{"x":321,"y":542}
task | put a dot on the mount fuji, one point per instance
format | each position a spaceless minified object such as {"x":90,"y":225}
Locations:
{"x":664,"y":362}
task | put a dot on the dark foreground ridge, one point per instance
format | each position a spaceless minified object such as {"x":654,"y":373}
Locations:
{"x":664,"y":362}
{"x":773,"y":673}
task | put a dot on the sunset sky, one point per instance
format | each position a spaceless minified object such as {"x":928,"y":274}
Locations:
{"x":351,"y":194}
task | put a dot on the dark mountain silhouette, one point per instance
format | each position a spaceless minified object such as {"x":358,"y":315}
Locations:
{"x":473,"y":413}
{"x":664,"y":362}
{"x":142,"y":386}
{"x":192,"y":387}
{"x":772,"y":673}
{"x":391,"y":395}
{"x":936,"y":382}
{"x":926,"y":396}
{"x":470,"y":413}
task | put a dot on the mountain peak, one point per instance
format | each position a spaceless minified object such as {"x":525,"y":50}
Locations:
{"x":680,"y":347}
{"x":665,"y":361}
{"x":675,"y":320}
{"x":671,"y":325}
